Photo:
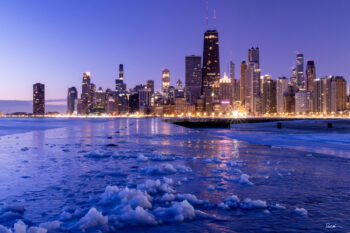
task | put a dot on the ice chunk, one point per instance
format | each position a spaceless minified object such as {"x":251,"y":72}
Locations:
{"x":253,"y":204}
{"x":279,"y":206}
{"x":301,"y":211}
{"x":51,"y":226}
{"x":139,"y":216}
{"x":178,"y":212}
{"x":223,"y":206}
{"x":212,"y":160}
{"x":161,"y":170}
{"x":235,"y":163}
{"x":93,"y":218}
{"x":182,"y":168}
{"x":5,"y":230}
{"x":134,"y":198}
{"x":211,"y":188}
{"x":36,"y":230}
{"x":142,"y":158}
{"x":20,"y":227}
{"x":110,"y":194}
{"x":232,"y":202}
{"x":168,"y":181}
{"x":244,"y":179}
{"x":191,"y":198}
{"x":167,"y":197}
{"x":155,"y":186}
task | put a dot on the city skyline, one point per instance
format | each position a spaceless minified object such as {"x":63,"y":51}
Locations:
{"x":59,"y":73}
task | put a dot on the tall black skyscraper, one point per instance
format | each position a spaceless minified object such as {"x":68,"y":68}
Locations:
{"x":38,"y":99}
{"x":193,"y":79}
{"x":211,"y":64}
{"x":71,"y":100}
{"x":119,"y":82}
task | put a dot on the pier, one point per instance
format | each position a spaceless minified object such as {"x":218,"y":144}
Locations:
{"x":225,"y":122}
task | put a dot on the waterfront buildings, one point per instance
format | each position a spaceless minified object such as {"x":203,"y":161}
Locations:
{"x":38,"y":99}
{"x":193,"y":78}
{"x":165,"y":80}
{"x":281,"y":88}
{"x":210,"y":69}
{"x":310,"y":75}
{"x":300,"y":71}
{"x":72,"y":100}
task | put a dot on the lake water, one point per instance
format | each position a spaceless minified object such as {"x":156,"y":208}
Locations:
{"x":145,"y":175}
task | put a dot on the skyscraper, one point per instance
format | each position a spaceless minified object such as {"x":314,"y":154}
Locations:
{"x":310,"y":75}
{"x":242,"y":84}
{"x":254,"y":57}
{"x":225,"y":91}
{"x":338,"y":94}
{"x":269,"y":96}
{"x":165,"y":80}
{"x":232,"y":70}
{"x":150,"y":85}
{"x":38,"y":99}
{"x":193,"y":78}
{"x":211,"y":65}
{"x":85,"y":93}
{"x":252,"y":89}
{"x":281,"y":88}
{"x":303,"y":102}
{"x":72,"y":97}
{"x":120,"y":86}
{"x":300,"y":71}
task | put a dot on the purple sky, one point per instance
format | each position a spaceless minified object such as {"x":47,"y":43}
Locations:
{"x":55,"y":41}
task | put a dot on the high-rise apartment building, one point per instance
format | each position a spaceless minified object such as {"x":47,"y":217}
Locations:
{"x":300,"y":71}
{"x":193,"y":78}
{"x":225,"y":90}
{"x":268,"y":96}
{"x":338,"y":94}
{"x":72,"y":98}
{"x":211,"y":65}
{"x":303,"y":102}
{"x":165,"y":80}
{"x":281,"y":88}
{"x":254,"y":57}
{"x":38,"y":99}
{"x":242,"y":84}
{"x":310,"y":75}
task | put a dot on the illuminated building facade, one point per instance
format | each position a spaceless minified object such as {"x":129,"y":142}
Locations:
{"x":38,"y":99}
{"x":165,"y":80}
{"x":338,"y":94}
{"x":120,"y":86}
{"x":242,"y":83}
{"x":310,"y":75}
{"x":225,"y":90}
{"x":193,"y":78}
{"x":72,"y":98}
{"x":300,"y":71}
{"x":254,"y":56}
{"x":269,"y":96}
{"x":210,"y":69}
{"x":303,"y":102}
{"x":281,"y":88}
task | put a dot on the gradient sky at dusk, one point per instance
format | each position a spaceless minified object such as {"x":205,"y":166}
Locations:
{"x":55,"y":41}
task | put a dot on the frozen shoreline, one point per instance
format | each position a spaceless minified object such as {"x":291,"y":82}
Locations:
{"x":71,"y":166}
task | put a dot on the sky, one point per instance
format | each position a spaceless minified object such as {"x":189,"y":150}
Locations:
{"x":54,"y":42}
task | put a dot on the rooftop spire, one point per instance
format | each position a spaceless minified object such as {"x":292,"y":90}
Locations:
{"x":207,"y":19}
{"x":214,"y":19}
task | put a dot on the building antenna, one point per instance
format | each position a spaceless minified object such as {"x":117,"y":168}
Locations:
{"x":207,"y":19}
{"x":214,"y":19}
